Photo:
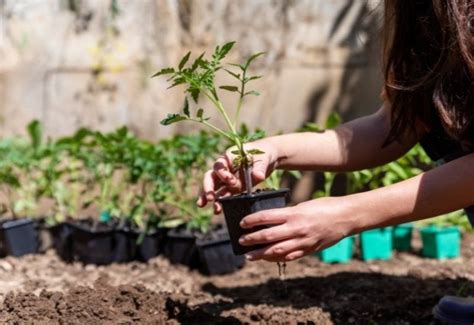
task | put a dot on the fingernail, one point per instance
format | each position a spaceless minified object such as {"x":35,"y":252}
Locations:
{"x":210,"y":197}
{"x":242,"y":224}
{"x":248,"y":257}
{"x":241,"y":240}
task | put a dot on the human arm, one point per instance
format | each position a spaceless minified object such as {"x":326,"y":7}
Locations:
{"x":317,"y":224}
{"x":352,"y":146}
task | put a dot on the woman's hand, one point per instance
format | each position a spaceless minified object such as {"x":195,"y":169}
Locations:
{"x":223,"y":180}
{"x":299,"y":230}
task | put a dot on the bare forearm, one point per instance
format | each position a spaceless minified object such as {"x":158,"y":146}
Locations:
{"x":441,"y":190}
{"x":352,"y":146}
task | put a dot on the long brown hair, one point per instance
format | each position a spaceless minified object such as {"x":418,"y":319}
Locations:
{"x":429,"y":66}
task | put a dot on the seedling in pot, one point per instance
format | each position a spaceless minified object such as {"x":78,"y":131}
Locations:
{"x":199,"y":79}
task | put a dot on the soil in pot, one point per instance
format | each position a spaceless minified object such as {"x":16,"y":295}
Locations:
{"x":376,"y":244}
{"x":93,"y":242}
{"x":180,"y":247}
{"x":18,"y":237}
{"x":441,"y":242}
{"x":216,"y":255}
{"x":238,"y":206}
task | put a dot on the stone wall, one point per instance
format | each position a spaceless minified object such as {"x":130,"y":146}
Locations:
{"x":73,"y":63}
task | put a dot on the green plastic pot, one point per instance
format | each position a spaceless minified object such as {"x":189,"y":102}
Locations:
{"x":376,"y":244}
{"x":402,"y":235}
{"x":441,"y":242}
{"x":341,"y":252}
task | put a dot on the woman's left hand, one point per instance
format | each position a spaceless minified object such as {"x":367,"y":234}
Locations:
{"x":297,"y":231}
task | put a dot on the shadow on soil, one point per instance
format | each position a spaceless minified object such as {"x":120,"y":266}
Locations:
{"x":363,"y":298}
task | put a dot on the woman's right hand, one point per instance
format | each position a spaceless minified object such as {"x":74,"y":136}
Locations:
{"x":223,"y":180}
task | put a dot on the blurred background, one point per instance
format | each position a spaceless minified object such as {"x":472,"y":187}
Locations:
{"x":88,"y":63}
{"x":74,"y":63}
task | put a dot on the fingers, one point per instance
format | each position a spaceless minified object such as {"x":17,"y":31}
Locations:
{"x":266,"y":217}
{"x":223,"y":170}
{"x":260,"y":168}
{"x":266,"y":236}
{"x":210,"y":184}
{"x":282,"y":251}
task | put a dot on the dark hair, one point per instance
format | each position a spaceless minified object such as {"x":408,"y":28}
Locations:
{"x":429,"y":66}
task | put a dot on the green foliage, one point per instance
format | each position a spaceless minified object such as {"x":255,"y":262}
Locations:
{"x":138,"y":182}
{"x":275,"y":179}
{"x":199,"y":79}
{"x":457,"y":218}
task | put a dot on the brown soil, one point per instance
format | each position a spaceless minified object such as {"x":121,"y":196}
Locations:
{"x":41,"y":289}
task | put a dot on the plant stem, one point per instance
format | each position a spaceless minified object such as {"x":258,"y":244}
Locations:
{"x":221,"y":109}
{"x":215,"y":128}
{"x":248,"y":178}
{"x":241,"y":99}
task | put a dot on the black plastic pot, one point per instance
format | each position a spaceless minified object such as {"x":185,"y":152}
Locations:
{"x":132,"y":245}
{"x":18,"y":237}
{"x":125,"y":246}
{"x":238,"y":206}
{"x":93,"y":243}
{"x":180,"y":247}
{"x":61,"y":234}
{"x":216,"y":255}
{"x":151,"y":245}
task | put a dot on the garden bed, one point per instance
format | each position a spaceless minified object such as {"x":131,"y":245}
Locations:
{"x":400,"y":291}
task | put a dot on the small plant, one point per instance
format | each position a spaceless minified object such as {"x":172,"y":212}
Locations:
{"x":199,"y":78}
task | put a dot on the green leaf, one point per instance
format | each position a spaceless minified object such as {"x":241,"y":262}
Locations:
{"x":319,"y":194}
{"x":255,"y":151}
{"x":171,"y":223}
{"x":253,"y":57}
{"x":295,"y":173}
{"x":254,"y":78}
{"x":200,"y":113}
{"x":310,"y":127}
{"x":225,"y":49}
{"x":259,"y":134}
{"x":233,"y":74}
{"x":194,"y":94}
{"x":177,"y":81}
{"x":230,"y":88}
{"x":186,"y":107}
{"x":197,"y":62}
{"x":241,"y":67}
{"x":333,"y":120}
{"x":235,"y":152}
{"x":173,"y":118}
{"x":237,"y":162}
{"x":163,"y":72}
{"x":252,"y":92}
{"x":183,"y":61}
{"x":36,"y":133}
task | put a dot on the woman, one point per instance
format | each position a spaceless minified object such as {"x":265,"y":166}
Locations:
{"x":428,"y":98}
